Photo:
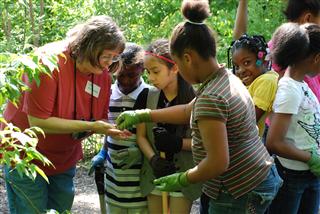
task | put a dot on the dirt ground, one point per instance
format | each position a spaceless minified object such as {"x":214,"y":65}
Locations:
{"x":86,"y":199}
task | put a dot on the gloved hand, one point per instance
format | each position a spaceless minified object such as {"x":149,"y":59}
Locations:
{"x":129,"y":118}
{"x":161,"y":167}
{"x":314,"y":163}
{"x":172,"y":183}
{"x":166,"y":141}
{"x":98,"y":160}
{"x":127,"y":157}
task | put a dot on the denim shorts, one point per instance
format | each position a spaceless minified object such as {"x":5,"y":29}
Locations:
{"x":257,"y":201}
{"x":28,"y":197}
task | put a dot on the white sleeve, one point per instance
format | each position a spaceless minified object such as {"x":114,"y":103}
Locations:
{"x":288,"y":97}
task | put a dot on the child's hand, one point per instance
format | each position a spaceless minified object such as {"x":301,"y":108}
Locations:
{"x":127,"y":157}
{"x":129,"y":118}
{"x":161,"y":167}
{"x":314,"y":163}
{"x":172,"y":183}
{"x":98,"y":160}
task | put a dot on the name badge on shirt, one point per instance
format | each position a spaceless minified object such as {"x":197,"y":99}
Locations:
{"x":95,"y":89}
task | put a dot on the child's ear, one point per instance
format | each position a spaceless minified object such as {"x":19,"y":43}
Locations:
{"x":175,"y":69}
{"x":306,"y":17}
{"x":317,"y":58}
{"x":187,"y":58}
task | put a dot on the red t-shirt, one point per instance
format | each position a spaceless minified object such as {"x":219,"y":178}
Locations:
{"x":55,"y":98}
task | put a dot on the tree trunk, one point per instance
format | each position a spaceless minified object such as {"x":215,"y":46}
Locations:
{"x":33,"y":29}
{"x":6,"y":24}
{"x":41,"y":20}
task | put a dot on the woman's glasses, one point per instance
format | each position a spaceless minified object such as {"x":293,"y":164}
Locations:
{"x":108,"y":58}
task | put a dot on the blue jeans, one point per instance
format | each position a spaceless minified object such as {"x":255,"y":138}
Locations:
{"x":256,"y":201}
{"x":300,"y":192}
{"x":29,"y":197}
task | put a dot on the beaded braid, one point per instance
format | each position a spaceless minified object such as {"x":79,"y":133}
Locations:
{"x":256,"y":44}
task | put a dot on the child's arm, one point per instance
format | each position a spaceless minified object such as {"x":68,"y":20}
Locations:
{"x":143,"y":142}
{"x":276,"y":142}
{"x":240,"y":26}
{"x":178,"y":114}
{"x":186,"y":144}
{"x":259,"y":113}
{"x":160,"y":166}
{"x":217,"y":159}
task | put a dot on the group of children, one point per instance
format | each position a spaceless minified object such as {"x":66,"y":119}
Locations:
{"x":222,"y":123}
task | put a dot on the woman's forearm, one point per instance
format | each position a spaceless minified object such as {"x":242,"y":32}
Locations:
{"x":55,"y":125}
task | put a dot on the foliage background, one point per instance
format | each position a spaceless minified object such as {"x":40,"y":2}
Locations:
{"x":37,"y":22}
{"x":28,"y":23}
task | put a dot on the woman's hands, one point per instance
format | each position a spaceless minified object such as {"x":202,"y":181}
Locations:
{"x":102,"y":127}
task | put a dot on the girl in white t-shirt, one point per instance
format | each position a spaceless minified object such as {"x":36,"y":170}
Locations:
{"x":295,"y":124}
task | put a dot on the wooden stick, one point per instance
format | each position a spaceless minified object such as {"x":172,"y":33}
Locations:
{"x":164,"y":194}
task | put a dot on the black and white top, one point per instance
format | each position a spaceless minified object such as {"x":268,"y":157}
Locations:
{"x":123,"y":186}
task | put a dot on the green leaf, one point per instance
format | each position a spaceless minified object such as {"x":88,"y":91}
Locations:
{"x":41,"y":173}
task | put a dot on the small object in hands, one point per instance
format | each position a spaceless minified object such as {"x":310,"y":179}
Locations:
{"x":161,"y":167}
{"x":119,"y":134}
{"x":172,"y":183}
{"x":166,"y":141}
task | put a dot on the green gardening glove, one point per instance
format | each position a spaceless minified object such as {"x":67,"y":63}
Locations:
{"x":127,"y":157}
{"x":173,"y":182}
{"x":129,"y":118}
{"x":314,"y":163}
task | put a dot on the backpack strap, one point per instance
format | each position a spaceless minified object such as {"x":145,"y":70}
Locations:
{"x":153,"y":98}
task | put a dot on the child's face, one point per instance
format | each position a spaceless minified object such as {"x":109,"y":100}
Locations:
{"x":129,"y":77}
{"x":158,"y":73}
{"x":244,"y":62}
{"x":313,"y":65}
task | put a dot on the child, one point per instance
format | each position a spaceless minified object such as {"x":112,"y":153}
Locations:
{"x":300,"y":12}
{"x":174,"y":140}
{"x":294,"y":132}
{"x":231,"y":160}
{"x":124,"y":158}
{"x":251,"y":64}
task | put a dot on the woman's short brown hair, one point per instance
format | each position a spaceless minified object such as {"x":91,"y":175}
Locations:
{"x":90,"y":39}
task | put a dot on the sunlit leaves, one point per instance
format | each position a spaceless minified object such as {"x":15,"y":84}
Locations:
{"x":14,"y":66}
{"x":18,"y":150}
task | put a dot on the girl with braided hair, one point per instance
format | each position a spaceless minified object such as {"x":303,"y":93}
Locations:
{"x":250,"y":62}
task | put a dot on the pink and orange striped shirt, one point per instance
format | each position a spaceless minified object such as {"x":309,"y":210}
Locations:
{"x":224,"y":97}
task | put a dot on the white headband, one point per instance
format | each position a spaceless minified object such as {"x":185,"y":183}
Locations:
{"x":195,"y":23}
